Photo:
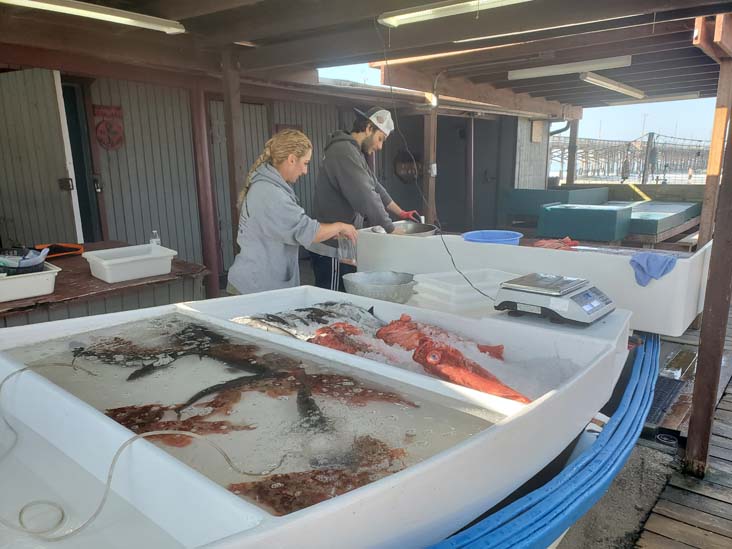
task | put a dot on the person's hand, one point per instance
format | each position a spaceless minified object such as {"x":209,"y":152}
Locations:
{"x":411,"y":215}
{"x":348,"y":231}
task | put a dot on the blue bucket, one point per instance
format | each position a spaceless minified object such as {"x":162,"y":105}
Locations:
{"x":494,"y":237}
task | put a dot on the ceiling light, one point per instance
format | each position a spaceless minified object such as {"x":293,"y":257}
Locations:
{"x":657,"y":99}
{"x":437,"y":10}
{"x":571,"y":68}
{"x":610,"y":84}
{"x":103,"y":13}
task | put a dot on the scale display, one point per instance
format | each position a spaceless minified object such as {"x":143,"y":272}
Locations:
{"x":556,"y":297}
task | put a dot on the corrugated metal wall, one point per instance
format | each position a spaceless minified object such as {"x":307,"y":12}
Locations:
{"x":32,"y":158}
{"x":318,"y":122}
{"x":531,"y":158}
{"x":150,"y":182}
{"x":256,"y":133}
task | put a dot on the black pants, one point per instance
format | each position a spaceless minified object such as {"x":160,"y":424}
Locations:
{"x":329,"y":272}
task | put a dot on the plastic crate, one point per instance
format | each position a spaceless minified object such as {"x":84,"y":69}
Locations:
{"x":26,"y":285}
{"x":130,"y":262}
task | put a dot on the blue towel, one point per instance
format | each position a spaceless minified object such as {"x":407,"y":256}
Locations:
{"x":648,"y":265}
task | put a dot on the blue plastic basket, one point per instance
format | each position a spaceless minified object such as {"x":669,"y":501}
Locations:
{"x":494,"y":237}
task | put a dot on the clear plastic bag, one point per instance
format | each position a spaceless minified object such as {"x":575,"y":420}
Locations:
{"x":346,"y":251}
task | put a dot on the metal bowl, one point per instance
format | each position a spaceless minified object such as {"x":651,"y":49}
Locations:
{"x":411,"y":228}
{"x":384,"y":285}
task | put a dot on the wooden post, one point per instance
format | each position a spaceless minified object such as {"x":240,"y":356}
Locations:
{"x":429,"y":165}
{"x":470,"y":172}
{"x":233,"y":123}
{"x":206,"y":195}
{"x":572,"y":151}
{"x":716,"y":150}
{"x":714,"y":326}
{"x":647,"y":159}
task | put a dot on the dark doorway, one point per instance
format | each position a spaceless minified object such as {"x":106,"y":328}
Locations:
{"x":81,"y":155}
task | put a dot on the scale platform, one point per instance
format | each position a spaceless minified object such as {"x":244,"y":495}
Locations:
{"x":557,"y":297}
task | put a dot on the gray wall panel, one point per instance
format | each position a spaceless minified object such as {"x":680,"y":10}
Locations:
{"x":32,"y":158}
{"x":149,"y":183}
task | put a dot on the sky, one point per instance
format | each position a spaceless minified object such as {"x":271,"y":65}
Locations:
{"x":691,"y":119}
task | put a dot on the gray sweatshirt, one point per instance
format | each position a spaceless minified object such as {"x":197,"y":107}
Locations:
{"x":347,"y":190}
{"x":272,"y":226}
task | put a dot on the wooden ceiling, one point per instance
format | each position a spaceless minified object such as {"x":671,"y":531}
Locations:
{"x":288,"y":35}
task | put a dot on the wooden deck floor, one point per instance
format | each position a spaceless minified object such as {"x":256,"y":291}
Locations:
{"x":698,"y":513}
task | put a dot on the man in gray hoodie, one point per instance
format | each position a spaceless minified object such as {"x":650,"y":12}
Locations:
{"x":347,"y":191}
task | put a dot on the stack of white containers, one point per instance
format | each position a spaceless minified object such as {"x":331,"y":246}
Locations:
{"x":450,"y":292}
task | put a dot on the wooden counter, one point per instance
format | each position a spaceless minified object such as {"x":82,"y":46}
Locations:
{"x":78,"y":293}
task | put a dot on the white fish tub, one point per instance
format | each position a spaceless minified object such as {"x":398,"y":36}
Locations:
{"x":29,"y":285}
{"x":156,"y":495}
{"x":666,"y":306}
{"x":130,"y":262}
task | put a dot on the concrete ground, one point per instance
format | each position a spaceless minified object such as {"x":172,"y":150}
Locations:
{"x":616,"y":520}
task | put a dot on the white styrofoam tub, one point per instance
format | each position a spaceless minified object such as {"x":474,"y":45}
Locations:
{"x":417,"y":506}
{"x":130,"y":262}
{"x":29,"y":285}
{"x":666,"y":306}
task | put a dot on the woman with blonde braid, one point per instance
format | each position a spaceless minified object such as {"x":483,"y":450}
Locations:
{"x":272,"y":225}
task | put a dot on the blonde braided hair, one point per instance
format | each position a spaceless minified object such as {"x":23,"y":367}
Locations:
{"x":276,"y":151}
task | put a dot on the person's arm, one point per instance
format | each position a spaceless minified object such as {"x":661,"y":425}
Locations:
{"x":356,"y":186}
{"x":412,"y":215}
{"x":331,"y":230}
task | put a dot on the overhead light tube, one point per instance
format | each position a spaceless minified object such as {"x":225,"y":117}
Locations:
{"x":610,"y":84}
{"x":102,"y":13}
{"x":572,"y":68}
{"x":437,"y":10}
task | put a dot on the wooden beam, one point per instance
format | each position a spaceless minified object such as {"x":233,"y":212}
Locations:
{"x":429,"y":163}
{"x":714,"y":325}
{"x":704,"y":39}
{"x":456,"y":60}
{"x":723,"y":33}
{"x":716,"y":148}
{"x":207,"y":213}
{"x":539,"y":15}
{"x":265,"y":20}
{"x":572,"y":151}
{"x":461,"y":88}
{"x":186,"y":9}
{"x":233,"y":124}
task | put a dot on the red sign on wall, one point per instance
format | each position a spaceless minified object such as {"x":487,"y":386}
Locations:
{"x":110,"y":130}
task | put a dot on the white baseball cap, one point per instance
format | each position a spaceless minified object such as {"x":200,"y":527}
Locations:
{"x":381,"y":118}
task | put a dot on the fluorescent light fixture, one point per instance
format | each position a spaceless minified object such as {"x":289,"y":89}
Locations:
{"x":610,"y":84}
{"x":571,"y":68}
{"x":437,"y":10}
{"x":657,"y":99}
{"x":103,"y":13}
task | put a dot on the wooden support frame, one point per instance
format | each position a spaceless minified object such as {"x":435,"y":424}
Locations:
{"x":234,"y":133}
{"x":572,"y":152}
{"x":207,"y":214}
{"x":716,"y":149}
{"x":429,"y":160}
{"x":714,"y":327}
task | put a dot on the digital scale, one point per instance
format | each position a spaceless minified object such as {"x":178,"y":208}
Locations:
{"x":559,"y":298}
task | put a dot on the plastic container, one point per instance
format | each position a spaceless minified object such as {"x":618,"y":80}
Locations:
{"x":494,"y":237}
{"x":33,"y":267}
{"x":130,"y":262}
{"x":387,"y":286}
{"x":22,"y":286}
{"x":346,"y":251}
{"x":451,"y":289}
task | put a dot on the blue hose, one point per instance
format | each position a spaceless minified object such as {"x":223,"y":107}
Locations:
{"x":540,"y":517}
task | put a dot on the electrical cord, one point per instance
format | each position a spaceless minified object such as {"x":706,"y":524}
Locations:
{"x":424,"y":200}
{"x":45,"y":533}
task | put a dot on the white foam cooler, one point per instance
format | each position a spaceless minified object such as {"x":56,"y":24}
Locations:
{"x":666,"y":306}
{"x":417,"y":506}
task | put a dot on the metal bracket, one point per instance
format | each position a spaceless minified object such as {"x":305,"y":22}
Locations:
{"x":66,"y":184}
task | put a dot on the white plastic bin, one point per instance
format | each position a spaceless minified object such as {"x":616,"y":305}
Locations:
{"x":130,"y":262}
{"x":452,"y":289}
{"x":28,"y":285}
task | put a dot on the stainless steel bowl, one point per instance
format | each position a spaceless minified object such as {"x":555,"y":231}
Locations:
{"x":411,"y":228}
{"x":384,"y":285}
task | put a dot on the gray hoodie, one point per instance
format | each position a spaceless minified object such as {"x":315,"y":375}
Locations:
{"x":272,"y":226}
{"x":347,"y":190}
